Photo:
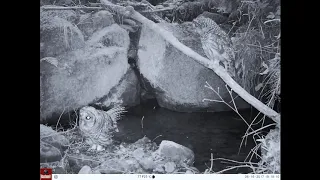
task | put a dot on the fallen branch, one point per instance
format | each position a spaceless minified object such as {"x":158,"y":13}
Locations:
{"x":130,"y":12}
{"x":157,"y":10}
{"x":72,"y":8}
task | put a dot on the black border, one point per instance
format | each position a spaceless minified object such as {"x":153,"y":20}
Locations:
{"x":295,"y":72}
{"x":20,"y":128}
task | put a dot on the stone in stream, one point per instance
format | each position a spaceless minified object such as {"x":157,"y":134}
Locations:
{"x":175,"y":152}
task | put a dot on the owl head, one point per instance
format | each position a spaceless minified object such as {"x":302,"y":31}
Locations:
{"x":201,"y":23}
{"x":88,"y":116}
{"x":204,"y":25}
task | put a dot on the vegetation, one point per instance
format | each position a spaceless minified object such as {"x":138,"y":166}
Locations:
{"x":257,"y":44}
{"x":255,"y":32}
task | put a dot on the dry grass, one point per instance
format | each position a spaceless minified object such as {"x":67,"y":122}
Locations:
{"x":257,"y":45}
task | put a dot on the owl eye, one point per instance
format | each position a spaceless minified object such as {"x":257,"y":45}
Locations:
{"x":88,"y":117}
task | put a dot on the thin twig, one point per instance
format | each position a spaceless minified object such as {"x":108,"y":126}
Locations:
{"x":60,"y":117}
{"x":231,"y":161}
{"x":156,"y":138}
{"x":271,"y":20}
{"x":234,"y":167}
{"x":142,"y":122}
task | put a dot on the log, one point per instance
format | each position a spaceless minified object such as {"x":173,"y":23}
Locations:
{"x":219,"y":70}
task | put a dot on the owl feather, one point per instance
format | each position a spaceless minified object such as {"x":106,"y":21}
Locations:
{"x":97,"y":126}
{"x":215,"y":43}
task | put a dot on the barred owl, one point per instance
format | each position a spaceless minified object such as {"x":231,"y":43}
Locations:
{"x":215,"y":42}
{"x":97,"y":126}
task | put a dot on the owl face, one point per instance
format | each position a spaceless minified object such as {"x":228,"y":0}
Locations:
{"x":87,"y":117}
{"x":200,"y":24}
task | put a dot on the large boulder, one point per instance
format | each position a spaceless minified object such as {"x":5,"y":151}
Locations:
{"x":90,"y":23}
{"x":58,"y":34}
{"x":85,"y":75}
{"x":178,"y":81}
{"x":127,"y":92}
{"x":52,"y":145}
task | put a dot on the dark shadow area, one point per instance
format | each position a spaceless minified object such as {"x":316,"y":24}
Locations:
{"x":204,"y":133}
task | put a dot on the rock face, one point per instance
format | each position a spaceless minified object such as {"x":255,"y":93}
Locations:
{"x":127,"y":92}
{"x":58,"y":34}
{"x":90,"y":23}
{"x":83,"y":60}
{"x":52,"y":145}
{"x":85,"y":75}
{"x":177,"y":80}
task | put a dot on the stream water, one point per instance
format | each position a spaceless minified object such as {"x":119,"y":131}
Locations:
{"x":205,"y":133}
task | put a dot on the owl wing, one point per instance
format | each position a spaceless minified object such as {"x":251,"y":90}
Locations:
{"x":116,"y":113}
{"x":210,"y":47}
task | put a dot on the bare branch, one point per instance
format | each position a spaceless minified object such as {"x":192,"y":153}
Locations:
{"x":220,"y":71}
{"x":72,"y":8}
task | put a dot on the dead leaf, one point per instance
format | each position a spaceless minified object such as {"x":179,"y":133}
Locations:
{"x":258,"y":87}
{"x":271,"y":15}
{"x":51,"y":60}
{"x":265,"y":71}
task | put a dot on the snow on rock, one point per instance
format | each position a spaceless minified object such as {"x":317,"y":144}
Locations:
{"x":84,"y":75}
{"x":177,"y":80}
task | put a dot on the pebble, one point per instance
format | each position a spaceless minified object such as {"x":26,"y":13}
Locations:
{"x":85,"y":170}
{"x":170,"y":167}
{"x":189,"y":172}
